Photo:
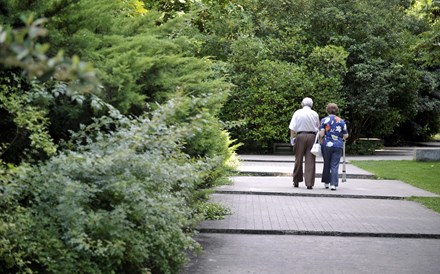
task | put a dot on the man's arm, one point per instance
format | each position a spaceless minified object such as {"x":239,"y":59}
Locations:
{"x":292,"y":133}
{"x":292,"y":126}
{"x":317,"y":121}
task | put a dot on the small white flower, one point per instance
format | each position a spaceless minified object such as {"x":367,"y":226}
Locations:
{"x":329,"y":144}
{"x":338,"y":129}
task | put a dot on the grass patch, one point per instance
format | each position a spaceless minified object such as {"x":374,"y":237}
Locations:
{"x":429,"y":202}
{"x":214,"y":211}
{"x":424,"y":175}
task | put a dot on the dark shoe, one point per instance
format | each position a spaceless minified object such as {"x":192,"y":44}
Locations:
{"x":310,"y":187}
{"x":295,"y":184}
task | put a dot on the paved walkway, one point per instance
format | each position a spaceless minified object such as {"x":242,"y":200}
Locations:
{"x":266,"y":168}
{"x":365,"y":226}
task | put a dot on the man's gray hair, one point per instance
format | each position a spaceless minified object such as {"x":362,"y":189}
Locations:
{"x":307,"y":102}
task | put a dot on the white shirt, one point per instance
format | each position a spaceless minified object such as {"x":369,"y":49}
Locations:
{"x":304,"y":119}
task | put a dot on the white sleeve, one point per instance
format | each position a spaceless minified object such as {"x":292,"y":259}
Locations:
{"x":318,"y":122}
{"x":292,"y":122}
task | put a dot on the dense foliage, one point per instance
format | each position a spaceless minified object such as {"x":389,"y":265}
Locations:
{"x":374,"y":58}
{"x":121,"y":203}
{"x":124,"y":194}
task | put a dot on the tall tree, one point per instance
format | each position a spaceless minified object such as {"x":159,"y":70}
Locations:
{"x":426,"y":121}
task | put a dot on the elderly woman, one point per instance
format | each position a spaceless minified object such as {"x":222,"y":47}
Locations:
{"x":333,"y":131}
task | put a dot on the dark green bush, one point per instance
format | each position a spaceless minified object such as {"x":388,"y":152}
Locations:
{"x":363,"y":147}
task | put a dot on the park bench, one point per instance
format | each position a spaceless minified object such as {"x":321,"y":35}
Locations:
{"x":282,"y":148}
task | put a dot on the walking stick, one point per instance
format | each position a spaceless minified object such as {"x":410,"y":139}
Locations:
{"x":344,"y":173}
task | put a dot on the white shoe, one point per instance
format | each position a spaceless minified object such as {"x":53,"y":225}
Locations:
{"x":327,"y":186}
{"x":333,"y":187}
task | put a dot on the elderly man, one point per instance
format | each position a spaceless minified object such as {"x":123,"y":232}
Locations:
{"x":303,"y":127}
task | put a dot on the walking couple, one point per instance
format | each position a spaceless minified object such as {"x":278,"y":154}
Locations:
{"x":332,"y":132}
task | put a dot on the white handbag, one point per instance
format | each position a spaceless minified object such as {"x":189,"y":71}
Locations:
{"x":316,"y":148}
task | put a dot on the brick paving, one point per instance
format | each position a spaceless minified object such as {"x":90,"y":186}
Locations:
{"x":273,"y":214}
{"x":352,"y":188}
{"x":270,"y":204}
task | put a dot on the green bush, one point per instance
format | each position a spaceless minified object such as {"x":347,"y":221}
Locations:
{"x":123,"y":202}
{"x":123,"y":195}
{"x":35,"y":86}
{"x":360,"y":147}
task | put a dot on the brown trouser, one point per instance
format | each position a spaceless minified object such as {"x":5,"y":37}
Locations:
{"x":303,"y":145}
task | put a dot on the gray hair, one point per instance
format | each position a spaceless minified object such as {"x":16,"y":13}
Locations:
{"x":332,"y":108}
{"x":307,"y":102}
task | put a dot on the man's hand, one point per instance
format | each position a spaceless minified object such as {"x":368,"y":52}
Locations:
{"x":292,"y":141}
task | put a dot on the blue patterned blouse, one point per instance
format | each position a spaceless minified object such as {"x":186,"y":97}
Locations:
{"x":335,"y":128}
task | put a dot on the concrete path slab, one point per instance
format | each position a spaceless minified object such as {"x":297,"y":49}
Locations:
{"x":352,"y":188}
{"x":274,"y":214}
{"x":291,"y":158}
{"x":281,"y":254}
{"x":286,"y":169}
